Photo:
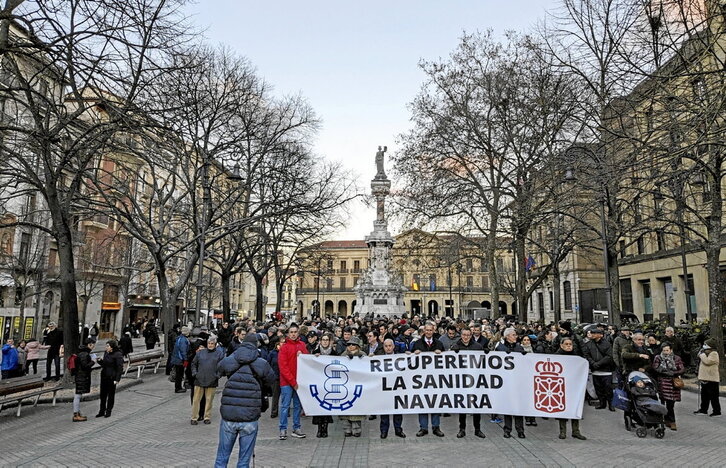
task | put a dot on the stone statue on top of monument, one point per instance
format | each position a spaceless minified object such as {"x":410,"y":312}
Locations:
{"x":381,"y":172}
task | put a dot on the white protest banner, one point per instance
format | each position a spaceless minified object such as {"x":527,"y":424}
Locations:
{"x":466,"y":382}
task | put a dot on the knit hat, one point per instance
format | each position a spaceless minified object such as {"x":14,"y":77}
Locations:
{"x":251,"y":338}
{"x":711,"y":343}
{"x":566,"y":325}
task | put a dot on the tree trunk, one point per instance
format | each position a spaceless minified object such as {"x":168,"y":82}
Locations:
{"x":715,"y":281}
{"x":491,"y":251}
{"x":226,"y":291}
{"x":167,"y":314}
{"x":520,"y":256}
{"x":69,"y":304}
{"x":259,"y":296}
{"x":556,"y":305}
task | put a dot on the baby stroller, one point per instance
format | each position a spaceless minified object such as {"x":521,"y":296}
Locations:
{"x":645,"y":411}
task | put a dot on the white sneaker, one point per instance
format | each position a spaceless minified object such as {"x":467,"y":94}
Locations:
{"x":283,"y":435}
{"x":297,"y":433}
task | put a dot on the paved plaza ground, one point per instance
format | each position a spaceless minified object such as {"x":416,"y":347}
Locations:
{"x":150,"y":427}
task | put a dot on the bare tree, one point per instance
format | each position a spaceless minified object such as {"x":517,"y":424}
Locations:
{"x":486,"y":123}
{"x":71,"y":71}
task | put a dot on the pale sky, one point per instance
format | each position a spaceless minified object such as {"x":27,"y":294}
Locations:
{"x":355,"y":62}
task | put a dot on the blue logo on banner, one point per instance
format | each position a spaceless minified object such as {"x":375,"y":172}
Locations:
{"x":337,"y":395}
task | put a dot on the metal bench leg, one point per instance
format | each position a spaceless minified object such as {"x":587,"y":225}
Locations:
{"x":55,"y":394}
{"x":128,"y":366}
{"x":139,"y":371}
{"x":37,"y":397}
{"x":20,"y":405}
{"x":156,"y":367}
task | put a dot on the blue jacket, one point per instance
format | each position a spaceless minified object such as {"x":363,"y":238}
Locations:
{"x":242,"y":395}
{"x":204,"y":367}
{"x":181,"y":349}
{"x":10,"y":358}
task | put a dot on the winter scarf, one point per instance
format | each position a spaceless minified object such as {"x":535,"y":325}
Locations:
{"x":667,"y":363}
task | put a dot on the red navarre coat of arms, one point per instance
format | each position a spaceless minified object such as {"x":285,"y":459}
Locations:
{"x":549,"y":387}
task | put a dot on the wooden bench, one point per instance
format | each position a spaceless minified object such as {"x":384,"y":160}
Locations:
{"x":143,"y":359}
{"x":11,"y":387}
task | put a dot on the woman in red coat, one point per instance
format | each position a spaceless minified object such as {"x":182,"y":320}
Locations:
{"x":667,"y":366}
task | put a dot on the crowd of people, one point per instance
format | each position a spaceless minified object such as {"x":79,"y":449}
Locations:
{"x":256,"y":356}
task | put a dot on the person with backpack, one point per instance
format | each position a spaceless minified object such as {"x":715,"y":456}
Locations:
{"x":80,"y":365}
{"x":151,"y":337}
{"x":249,"y":378}
{"x":113,"y":366}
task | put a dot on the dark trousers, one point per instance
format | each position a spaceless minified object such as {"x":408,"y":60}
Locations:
{"x":150,"y":345}
{"x":671,"y":415}
{"x":386,"y":422}
{"x":55,"y":359}
{"x":108,"y":395}
{"x":275,"y":403}
{"x":518,"y":423}
{"x":31,"y":362}
{"x":475,"y":417}
{"x":178,"y":376}
{"x":603,"y":387}
{"x":709,"y":395}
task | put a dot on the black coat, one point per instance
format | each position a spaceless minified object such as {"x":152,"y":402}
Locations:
{"x":84,"y":363}
{"x":126,"y":345}
{"x":599,"y":355}
{"x":224,"y":336}
{"x":420,"y":345}
{"x":54,"y":339}
{"x":472,"y":346}
{"x":508,"y":347}
{"x":113,"y":366}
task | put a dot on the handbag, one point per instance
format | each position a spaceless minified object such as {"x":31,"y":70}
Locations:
{"x":678,"y":382}
{"x":620,"y":399}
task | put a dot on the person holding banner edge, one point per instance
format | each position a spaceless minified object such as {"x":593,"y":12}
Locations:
{"x":389,"y":347}
{"x":567,"y":348}
{"x":510,"y":345}
{"x":428,"y":344}
{"x":287,"y":362}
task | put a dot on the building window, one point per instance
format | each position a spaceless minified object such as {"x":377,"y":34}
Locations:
{"x":329,"y":284}
{"x":343,"y":266}
{"x":316,"y":283}
{"x":356,"y":266}
{"x":484,"y":281}
{"x":469,"y":264}
{"x":621,"y":248}
{"x":25,"y":239}
{"x":342,"y":283}
{"x":641,"y":245}
{"x":552,"y":301}
{"x":626,"y":295}
{"x":330,"y":265}
{"x":567,"y":291}
{"x":500,"y":264}
{"x":469,"y":282}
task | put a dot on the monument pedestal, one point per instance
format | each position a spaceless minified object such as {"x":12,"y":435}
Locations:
{"x":380,"y":290}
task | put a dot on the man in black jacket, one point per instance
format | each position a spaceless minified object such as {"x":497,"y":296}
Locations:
{"x":53,"y":341}
{"x":466,"y":343}
{"x":599,"y":353}
{"x":510,"y":345}
{"x":250,"y":377}
{"x":428,"y":344}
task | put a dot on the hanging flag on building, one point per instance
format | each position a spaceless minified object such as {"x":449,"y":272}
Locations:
{"x":432,"y":283}
{"x":415,"y":283}
{"x":530,"y":264}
